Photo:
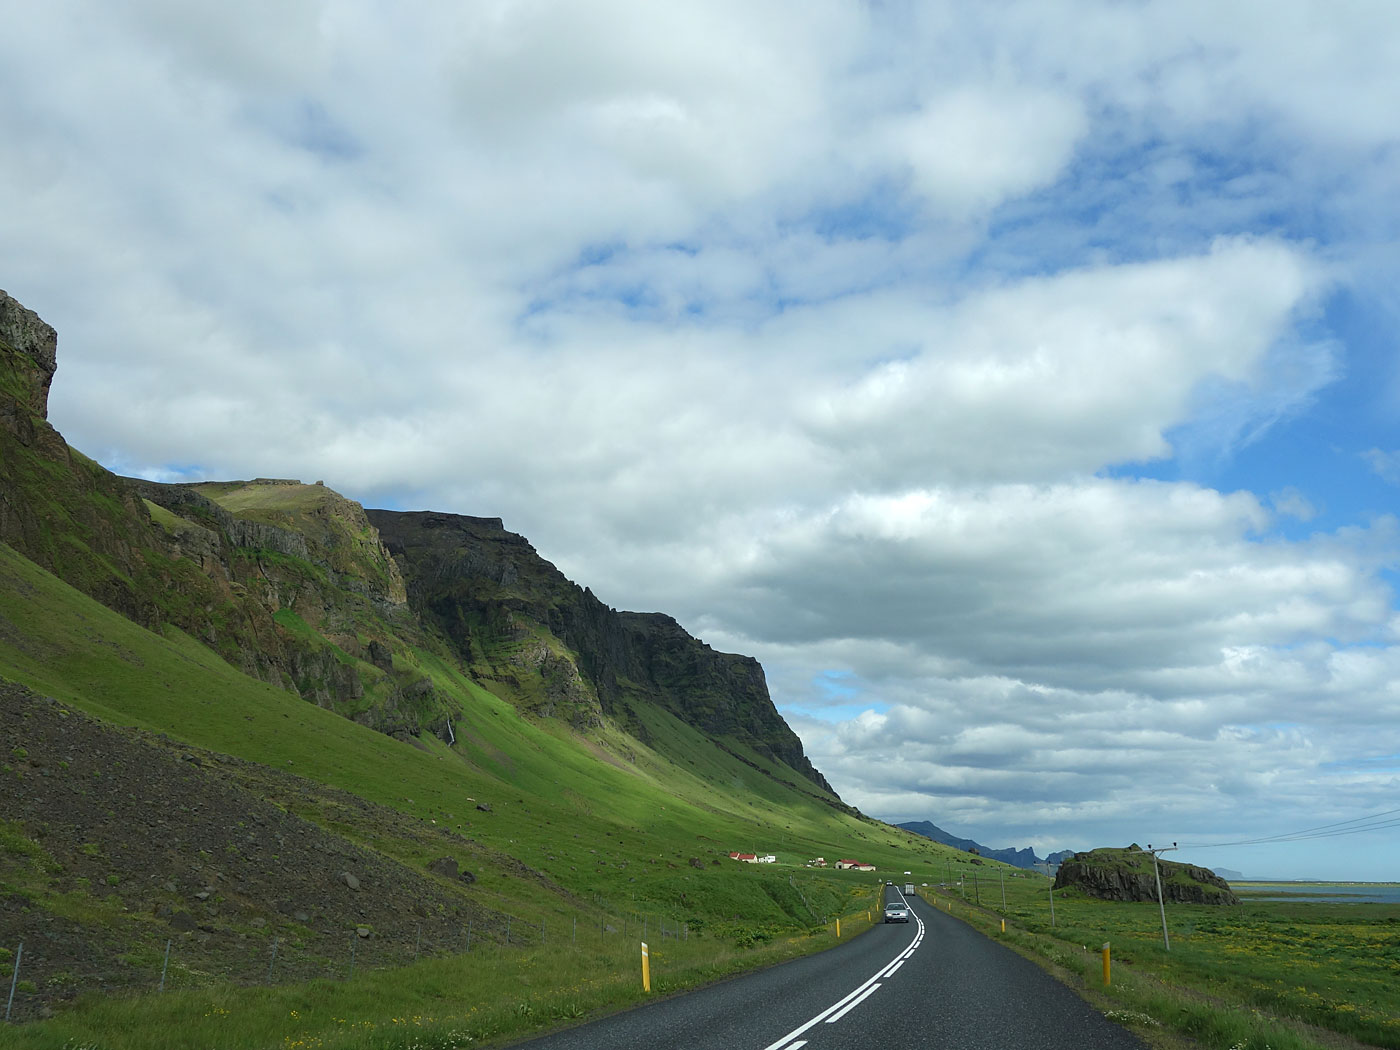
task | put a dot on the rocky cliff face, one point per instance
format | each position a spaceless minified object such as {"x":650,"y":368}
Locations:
{"x":163,"y":554}
{"x":33,"y":346}
{"x":50,"y":495}
{"x":302,"y":588}
{"x":1127,"y":875}
{"x":721,"y":694}
{"x":508,"y":611}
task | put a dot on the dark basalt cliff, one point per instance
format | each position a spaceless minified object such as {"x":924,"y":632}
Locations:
{"x":1126,"y":875}
{"x":295,"y":585}
{"x":509,"y":611}
{"x":50,"y":494}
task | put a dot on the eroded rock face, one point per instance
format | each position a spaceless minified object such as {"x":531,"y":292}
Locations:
{"x":1126,"y":875}
{"x":489,"y":592}
{"x":25,"y":333}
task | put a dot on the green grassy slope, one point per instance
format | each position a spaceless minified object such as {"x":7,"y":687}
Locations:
{"x":555,"y":794}
{"x":589,"y":766}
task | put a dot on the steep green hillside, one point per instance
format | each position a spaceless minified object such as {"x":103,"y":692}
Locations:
{"x":558,"y":828}
{"x":249,"y":712}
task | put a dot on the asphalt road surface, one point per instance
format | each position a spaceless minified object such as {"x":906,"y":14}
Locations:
{"x":933,"y":983}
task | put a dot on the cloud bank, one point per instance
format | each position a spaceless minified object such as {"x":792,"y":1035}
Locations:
{"x":1013,"y":381}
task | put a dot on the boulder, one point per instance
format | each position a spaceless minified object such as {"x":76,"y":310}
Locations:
{"x":444,"y":866}
{"x":1126,"y":875}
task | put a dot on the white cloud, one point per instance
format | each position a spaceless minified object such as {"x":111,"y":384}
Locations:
{"x":850,"y":334}
{"x":1386,"y":465}
{"x":972,"y":148}
{"x":1292,"y":503}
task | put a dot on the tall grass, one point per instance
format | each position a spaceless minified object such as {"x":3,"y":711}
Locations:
{"x":477,"y":998}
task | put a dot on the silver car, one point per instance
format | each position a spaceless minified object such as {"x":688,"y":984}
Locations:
{"x":896,"y":911}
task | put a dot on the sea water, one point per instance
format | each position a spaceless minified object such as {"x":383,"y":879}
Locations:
{"x":1326,"y":892}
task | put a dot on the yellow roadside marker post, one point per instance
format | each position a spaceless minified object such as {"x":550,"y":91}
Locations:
{"x":838,"y":929}
{"x":1106,"y":978}
{"x":646,"y":969}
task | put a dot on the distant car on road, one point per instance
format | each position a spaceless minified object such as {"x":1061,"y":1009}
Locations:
{"x":896,"y":911}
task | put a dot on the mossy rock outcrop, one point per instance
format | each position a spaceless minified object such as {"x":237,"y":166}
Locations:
{"x":1126,"y":875}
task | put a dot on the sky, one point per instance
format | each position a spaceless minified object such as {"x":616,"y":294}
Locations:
{"x":1017,"y":381}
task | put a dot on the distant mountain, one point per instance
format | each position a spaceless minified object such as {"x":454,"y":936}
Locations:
{"x":1021,"y":858}
{"x":1228,"y":874}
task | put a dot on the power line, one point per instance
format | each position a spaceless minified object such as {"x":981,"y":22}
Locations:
{"x":1355,"y":826}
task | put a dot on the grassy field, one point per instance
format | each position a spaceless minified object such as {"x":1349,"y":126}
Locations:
{"x":1281,"y":974}
{"x":483,"y":997}
{"x":612,"y":832}
{"x":591,"y":841}
{"x":622,"y":835}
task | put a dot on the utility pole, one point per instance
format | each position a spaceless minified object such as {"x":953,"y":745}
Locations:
{"x":1157,"y":874}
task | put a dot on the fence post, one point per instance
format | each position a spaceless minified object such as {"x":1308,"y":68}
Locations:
{"x":469,"y":935}
{"x":353,"y":938}
{"x":575,"y":934}
{"x":418,"y":944}
{"x":14,"y":981}
{"x":274,"y":959}
{"x":507,"y":929}
{"x":165,"y":965}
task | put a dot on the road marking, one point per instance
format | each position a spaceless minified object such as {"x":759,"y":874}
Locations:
{"x":854,"y":998}
{"x":851,"y":1005}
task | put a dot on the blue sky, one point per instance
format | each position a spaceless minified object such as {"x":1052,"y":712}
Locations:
{"x":1018,"y":384}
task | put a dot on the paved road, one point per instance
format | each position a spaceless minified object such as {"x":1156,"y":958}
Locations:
{"x":934,"y":983}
